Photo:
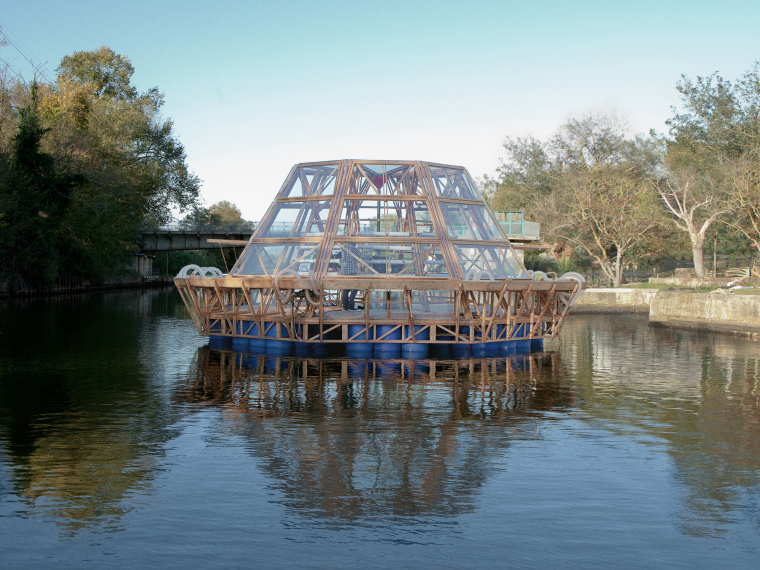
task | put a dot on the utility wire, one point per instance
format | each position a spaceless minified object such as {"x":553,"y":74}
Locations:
{"x":38,"y":69}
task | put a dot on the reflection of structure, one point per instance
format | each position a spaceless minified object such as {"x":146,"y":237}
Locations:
{"x":436,"y":267}
{"x":352,"y":438}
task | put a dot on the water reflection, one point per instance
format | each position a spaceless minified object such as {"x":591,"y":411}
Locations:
{"x":111,"y":417}
{"x":695,"y":395}
{"x":84,"y":408}
{"x":350,"y":439}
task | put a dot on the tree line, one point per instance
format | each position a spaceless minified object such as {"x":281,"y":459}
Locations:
{"x":85,"y":160}
{"x":621,"y":201}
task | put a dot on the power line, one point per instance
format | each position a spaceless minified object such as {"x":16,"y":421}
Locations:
{"x":38,"y":69}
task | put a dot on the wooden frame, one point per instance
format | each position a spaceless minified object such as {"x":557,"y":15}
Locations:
{"x":299,"y":302}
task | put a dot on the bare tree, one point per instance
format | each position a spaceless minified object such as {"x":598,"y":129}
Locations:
{"x":695,"y":208}
{"x":607,"y":213}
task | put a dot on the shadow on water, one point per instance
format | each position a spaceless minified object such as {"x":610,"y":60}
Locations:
{"x":359,"y":438}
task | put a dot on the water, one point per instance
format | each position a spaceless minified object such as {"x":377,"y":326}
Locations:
{"x":125,"y":441}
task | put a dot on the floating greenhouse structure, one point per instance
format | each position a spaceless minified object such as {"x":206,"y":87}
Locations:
{"x":388,"y":259}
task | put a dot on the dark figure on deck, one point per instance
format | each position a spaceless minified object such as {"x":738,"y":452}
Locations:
{"x":349,"y":260}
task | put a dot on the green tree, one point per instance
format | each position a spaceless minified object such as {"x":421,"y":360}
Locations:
{"x":34,"y":195}
{"x":83,"y":163}
{"x":118,"y":135}
{"x":106,"y":73}
{"x":226,"y":212}
{"x":709,"y":160}
{"x":587,"y":187}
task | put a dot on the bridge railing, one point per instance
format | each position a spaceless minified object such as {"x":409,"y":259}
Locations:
{"x":207,"y":228}
{"x":515,"y":224}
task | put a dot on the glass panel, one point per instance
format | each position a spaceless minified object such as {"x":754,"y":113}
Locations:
{"x":268,"y":259}
{"x":259,"y":260}
{"x":386,"y":218}
{"x":312,"y":181}
{"x":297,"y":219}
{"x":464,"y":221}
{"x":453,"y":183}
{"x":388,"y":180}
{"x":299,"y":257}
{"x":423,"y":302}
{"x":390,"y":259}
{"x":352,"y":259}
{"x":481,"y":262}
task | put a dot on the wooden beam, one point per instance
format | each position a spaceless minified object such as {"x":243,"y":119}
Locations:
{"x":232,"y":242}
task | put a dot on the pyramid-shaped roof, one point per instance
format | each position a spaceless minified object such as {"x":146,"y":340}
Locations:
{"x":405,"y":219}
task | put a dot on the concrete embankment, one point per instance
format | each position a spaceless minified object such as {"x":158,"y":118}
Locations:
{"x":717,"y":311}
{"x":618,"y":300}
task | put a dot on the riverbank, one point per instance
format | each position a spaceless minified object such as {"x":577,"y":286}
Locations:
{"x":78,"y":286}
{"x":721,"y":310}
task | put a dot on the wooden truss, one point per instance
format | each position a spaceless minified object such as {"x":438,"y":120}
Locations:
{"x":304,"y":310}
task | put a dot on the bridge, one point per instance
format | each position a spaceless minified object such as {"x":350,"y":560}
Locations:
{"x":180,"y":236}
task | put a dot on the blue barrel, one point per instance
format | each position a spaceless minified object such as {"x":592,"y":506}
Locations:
{"x":246,"y":328}
{"x":415,"y":349}
{"x":359,"y":349}
{"x":250,"y":328}
{"x":257,"y":345}
{"x":536,"y":345}
{"x":507,"y":347}
{"x":461,"y":350}
{"x":319,"y":349}
{"x":440,"y":350}
{"x":275,"y":345}
{"x":241,"y":344}
{"x":301,"y":348}
{"x":442,"y":346}
{"x":523,"y":346}
{"x":481,"y":349}
{"x":218,"y":341}
{"x":385,"y":349}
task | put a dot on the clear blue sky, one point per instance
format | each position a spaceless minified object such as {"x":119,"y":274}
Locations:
{"x":254,"y":87}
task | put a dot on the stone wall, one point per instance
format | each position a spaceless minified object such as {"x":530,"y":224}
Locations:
{"x":729,"y":312}
{"x":619,"y":300}
{"x":716,"y":311}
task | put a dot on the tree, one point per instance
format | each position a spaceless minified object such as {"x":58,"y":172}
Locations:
{"x":134,"y":164}
{"x":106,"y":73}
{"x":226,"y":212}
{"x":96,"y":159}
{"x":708,"y":151}
{"x":606,"y":213}
{"x":587,"y":187}
{"x":34,"y":195}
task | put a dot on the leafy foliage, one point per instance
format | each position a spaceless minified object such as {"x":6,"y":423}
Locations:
{"x":587,"y":187}
{"x":90,"y":161}
{"x":711,"y":159}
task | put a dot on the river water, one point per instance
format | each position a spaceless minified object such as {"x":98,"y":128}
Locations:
{"x":126,"y":441}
